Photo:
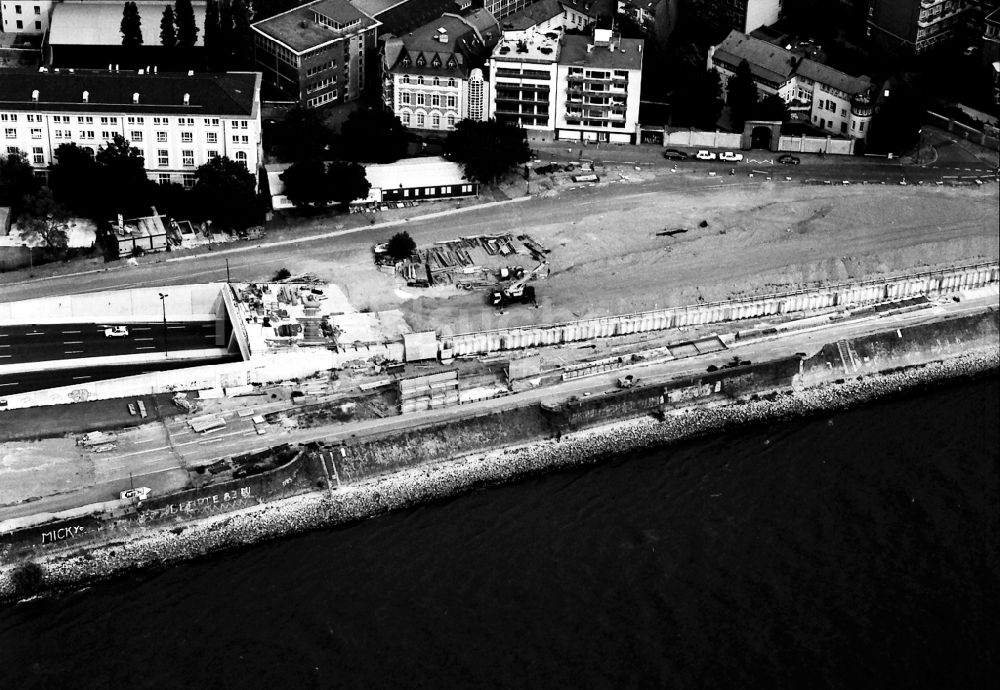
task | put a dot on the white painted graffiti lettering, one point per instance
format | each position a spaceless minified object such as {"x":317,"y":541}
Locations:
{"x":61,"y":534}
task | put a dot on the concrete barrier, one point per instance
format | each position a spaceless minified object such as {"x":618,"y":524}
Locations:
{"x":842,"y":296}
{"x":200,"y":302}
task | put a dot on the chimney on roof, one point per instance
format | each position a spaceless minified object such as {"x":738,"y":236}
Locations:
{"x":86,"y":96}
{"x":116,"y":67}
{"x":135,"y":97}
{"x":141,"y":72}
{"x":156,"y":70}
{"x":110,"y":66}
{"x":34,"y":95}
{"x":190,"y":72}
{"x":148,"y":71}
{"x":187,"y":99}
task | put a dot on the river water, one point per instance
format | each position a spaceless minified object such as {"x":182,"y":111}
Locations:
{"x":853,"y":550}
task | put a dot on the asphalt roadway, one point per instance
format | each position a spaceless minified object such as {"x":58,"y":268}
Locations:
{"x":157,"y":458}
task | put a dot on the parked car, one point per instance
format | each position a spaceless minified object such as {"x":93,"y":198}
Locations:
{"x":116,"y":332}
{"x":731,"y":157}
{"x":705,"y":155}
{"x":674,"y":155}
{"x":139,"y":493}
{"x":789,"y":159}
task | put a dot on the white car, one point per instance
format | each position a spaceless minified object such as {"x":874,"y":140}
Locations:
{"x":116,"y":332}
{"x":731,"y":157}
{"x":139,"y":493}
{"x":705,"y":156}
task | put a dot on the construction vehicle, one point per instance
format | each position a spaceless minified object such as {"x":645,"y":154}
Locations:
{"x":517,"y":292}
{"x":627,"y":381}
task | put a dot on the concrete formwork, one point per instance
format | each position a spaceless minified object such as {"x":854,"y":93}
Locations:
{"x":844,"y":296}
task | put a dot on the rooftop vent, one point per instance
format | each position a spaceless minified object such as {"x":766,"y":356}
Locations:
{"x":86,"y":96}
{"x":34,"y":95}
{"x":135,"y":97}
{"x":187,"y":99}
{"x":190,"y":72}
{"x":141,"y":72}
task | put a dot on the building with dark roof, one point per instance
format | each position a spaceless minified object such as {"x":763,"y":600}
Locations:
{"x":178,"y":121}
{"x":319,"y":53}
{"x":399,"y":17}
{"x":432,"y":76}
{"x":829,"y":99}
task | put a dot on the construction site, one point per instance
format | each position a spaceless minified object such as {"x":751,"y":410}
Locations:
{"x":500,"y":265}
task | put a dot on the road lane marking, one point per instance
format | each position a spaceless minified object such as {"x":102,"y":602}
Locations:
{"x":74,"y":352}
{"x":38,"y":333}
{"x":175,"y":327}
{"x":148,"y":347}
{"x":210,"y":336}
{"x":142,"y":339}
{"x":142,"y":328}
{"x":72,"y":342}
{"x":70,"y":331}
{"x":10,"y":384}
{"x":6,"y":356}
{"x":4,"y":345}
{"x":78,"y":378}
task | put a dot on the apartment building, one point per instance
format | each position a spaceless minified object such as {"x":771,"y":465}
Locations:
{"x":178,"y":121}
{"x":432,"y":76}
{"x":915,"y":26}
{"x":317,"y":54}
{"x":837,"y":103}
{"x":523,"y":77}
{"x":30,"y":17}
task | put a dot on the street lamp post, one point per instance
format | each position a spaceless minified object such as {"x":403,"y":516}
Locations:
{"x":163,"y":303}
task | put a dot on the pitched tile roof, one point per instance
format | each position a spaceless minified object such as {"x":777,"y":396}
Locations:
{"x":297,"y":30}
{"x":463,"y":40}
{"x":626,"y":55}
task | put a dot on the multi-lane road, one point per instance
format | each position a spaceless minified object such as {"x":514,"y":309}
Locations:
{"x":73,"y":346}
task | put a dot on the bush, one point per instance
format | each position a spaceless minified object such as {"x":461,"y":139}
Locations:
{"x":282,"y":274}
{"x":401,"y":246}
{"x":27,"y":578}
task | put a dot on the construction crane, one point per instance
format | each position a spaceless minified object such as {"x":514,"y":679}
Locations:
{"x":518,"y":291}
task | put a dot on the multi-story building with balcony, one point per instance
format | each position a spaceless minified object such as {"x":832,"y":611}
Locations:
{"x":915,"y":26}
{"x":317,"y":54}
{"x":178,"y":121}
{"x":523,"y":76}
{"x":432,"y":76}
{"x":598,"y":81}
{"x":832,"y":101}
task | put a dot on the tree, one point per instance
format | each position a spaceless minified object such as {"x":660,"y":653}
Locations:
{"x":306,"y":183}
{"x":123,"y":179}
{"x":895,"y":127}
{"x":17,"y":180}
{"x":131,"y":26}
{"x":43,"y":218}
{"x":348,"y":182}
{"x":773,"y":107}
{"x":488,"y":150}
{"x":242,"y":37}
{"x":226,"y":194}
{"x":187,"y":28}
{"x":211,"y":37}
{"x":374,"y":135}
{"x":742,"y":95}
{"x":697,"y":101}
{"x":401,"y":246}
{"x":302,"y":134}
{"x":27,"y":578}
{"x":225,"y":48}
{"x":168,"y":33}
{"x":73,"y":179}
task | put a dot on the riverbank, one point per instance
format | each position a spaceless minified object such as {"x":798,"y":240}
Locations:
{"x":409,"y":487}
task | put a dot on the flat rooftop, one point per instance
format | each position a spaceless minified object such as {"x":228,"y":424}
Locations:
{"x":297,"y":30}
{"x":529,"y":46}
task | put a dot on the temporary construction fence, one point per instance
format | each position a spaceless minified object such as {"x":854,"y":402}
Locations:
{"x":846,"y":295}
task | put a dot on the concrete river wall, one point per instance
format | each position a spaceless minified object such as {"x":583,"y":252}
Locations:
{"x":843,"y":296}
{"x":316,"y":467}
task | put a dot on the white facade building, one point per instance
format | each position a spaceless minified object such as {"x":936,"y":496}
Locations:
{"x":27,"y":17}
{"x":178,"y":121}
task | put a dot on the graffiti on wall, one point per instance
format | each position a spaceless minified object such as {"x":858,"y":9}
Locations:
{"x":225,"y":501}
{"x":61,"y":534}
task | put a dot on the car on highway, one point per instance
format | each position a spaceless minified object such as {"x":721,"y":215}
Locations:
{"x":731,"y":157}
{"x":675,"y":155}
{"x":789,"y":159}
{"x":704,"y":155}
{"x":116,"y":332}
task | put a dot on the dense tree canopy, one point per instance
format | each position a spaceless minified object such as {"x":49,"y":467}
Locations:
{"x":772,"y":107}
{"x":488,"y":150}
{"x":17,"y":180}
{"x":226,"y":193}
{"x":73,"y":178}
{"x":131,"y":26}
{"x":895,"y":127}
{"x":401,"y":246}
{"x":187,"y":28}
{"x":241,"y":40}
{"x":742,"y":95}
{"x":213,"y":53}
{"x":306,"y":183}
{"x":122,"y":176}
{"x":42,"y":218}
{"x":348,"y":181}
{"x":168,"y":32}
{"x":373,"y":135}
{"x":302,"y":135}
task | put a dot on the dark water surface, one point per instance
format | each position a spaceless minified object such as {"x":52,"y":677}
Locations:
{"x":856,"y":550}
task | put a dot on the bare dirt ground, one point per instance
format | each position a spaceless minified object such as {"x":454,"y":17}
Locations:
{"x":757,"y":241}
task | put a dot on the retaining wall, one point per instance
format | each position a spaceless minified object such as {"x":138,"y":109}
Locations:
{"x":841,"y":147}
{"x":184,"y":303}
{"x":845,"y":295}
{"x":301,"y":474}
{"x":694,"y":137}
